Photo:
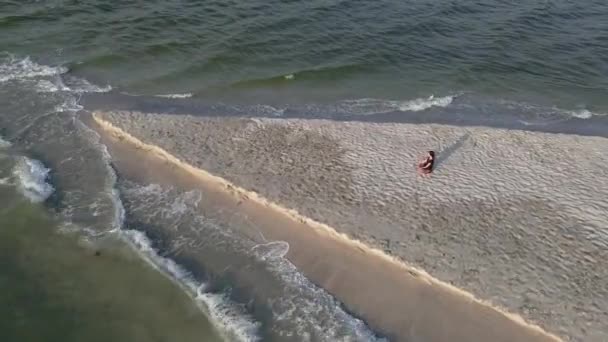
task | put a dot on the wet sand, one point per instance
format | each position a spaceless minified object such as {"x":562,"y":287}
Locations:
{"x":513,"y":217}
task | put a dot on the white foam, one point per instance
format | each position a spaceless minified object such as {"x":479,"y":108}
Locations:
{"x":119,"y":210}
{"x":12,"y":68}
{"x":163,"y":199}
{"x":309,"y":310}
{"x":308,"y":303}
{"x":80,"y":85}
{"x":46,"y":86}
{"x":175,"y":96}
{"x":230,"y":318}
{"x":271,"y":250}
{"x":31,"y":175}
{"x":267,"y":110}
{"x":4,"y":143}
{"x":581,"y":114}
{"x":69,"y":105}
{"x":260,"y":110}
{"x":74,"y":85}
{"x":227,"y":316}
{"x":423,"y":104}
{"x":289,"y":77}
{"x":545,"y":113}
{"x":367,"y":106}
{"x":182,"y":204}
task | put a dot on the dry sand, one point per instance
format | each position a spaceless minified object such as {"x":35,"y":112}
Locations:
{"x":516,"y":218}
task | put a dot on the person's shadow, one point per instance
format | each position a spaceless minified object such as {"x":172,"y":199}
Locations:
{"x":447,"y":151}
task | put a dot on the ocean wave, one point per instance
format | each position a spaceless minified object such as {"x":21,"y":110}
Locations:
{"x":263,"y":110}
{"x":48,"y":79}
{"x":4,"y":143}
{"x":367,"y":106}
{"x":12,"y":68}
{"x":228,"y":316}
{"x":423,"y":104}
{"x":175,"y":96}
{"x":79,"y":85}
{"x":537,"y":114}
{"x":69,"y":84}
{"x":582,"y":114}
{"x":364,"y":106}
{"x":300,"y":309}
{"x":46,"y":86}
{"x":271,"y":250}
{"x":309,"y":308}
{"x":266,"y":110}
{"x":328,"y":72}
{"x":31,"y":176}
{"x":70,"y":104}
{"x":119,"y":209}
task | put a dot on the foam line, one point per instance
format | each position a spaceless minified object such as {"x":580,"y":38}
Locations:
{"x":232,"y":322}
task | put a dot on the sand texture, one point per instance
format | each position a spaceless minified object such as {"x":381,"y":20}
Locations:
{"x":516,"y":218}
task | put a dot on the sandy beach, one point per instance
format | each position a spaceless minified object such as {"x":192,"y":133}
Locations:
{"x":515,"y":218}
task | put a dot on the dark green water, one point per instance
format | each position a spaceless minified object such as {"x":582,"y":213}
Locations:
{"x":527,"y":64}
{"x":54,"y":289}
{"x":554,"y":52}
{"x":59,"y":287}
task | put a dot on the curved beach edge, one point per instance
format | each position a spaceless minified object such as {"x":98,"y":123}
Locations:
{"x":327,"y":232}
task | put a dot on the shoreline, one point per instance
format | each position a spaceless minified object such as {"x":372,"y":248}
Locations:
{"x":463,"y":317}
{"x":453,"y":114}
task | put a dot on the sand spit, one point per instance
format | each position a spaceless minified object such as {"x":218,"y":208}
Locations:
{"x":514,"y":217}
{"x":385,"y":292}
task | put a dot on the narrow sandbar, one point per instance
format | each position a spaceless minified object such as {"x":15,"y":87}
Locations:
{"x":513,"y":217}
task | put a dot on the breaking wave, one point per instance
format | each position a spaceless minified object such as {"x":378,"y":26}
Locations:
{"x":375,"y":106}
{"x":533,"y":114}
{"x":299,"y":309}
{"x":31,"y":176}
{"x":306,"y":303}
{"x":4,"y":143}
{"x":175,"y":96}
{"x":12,"y":68}
{"x":229,"y":317}
{"x":365,"y":106}
{"x":49,"y":79}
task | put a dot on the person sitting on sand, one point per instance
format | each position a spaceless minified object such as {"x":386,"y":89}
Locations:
{"x":426,"y":165}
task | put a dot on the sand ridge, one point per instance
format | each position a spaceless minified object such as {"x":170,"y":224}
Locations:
{"x":324,"y":230}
